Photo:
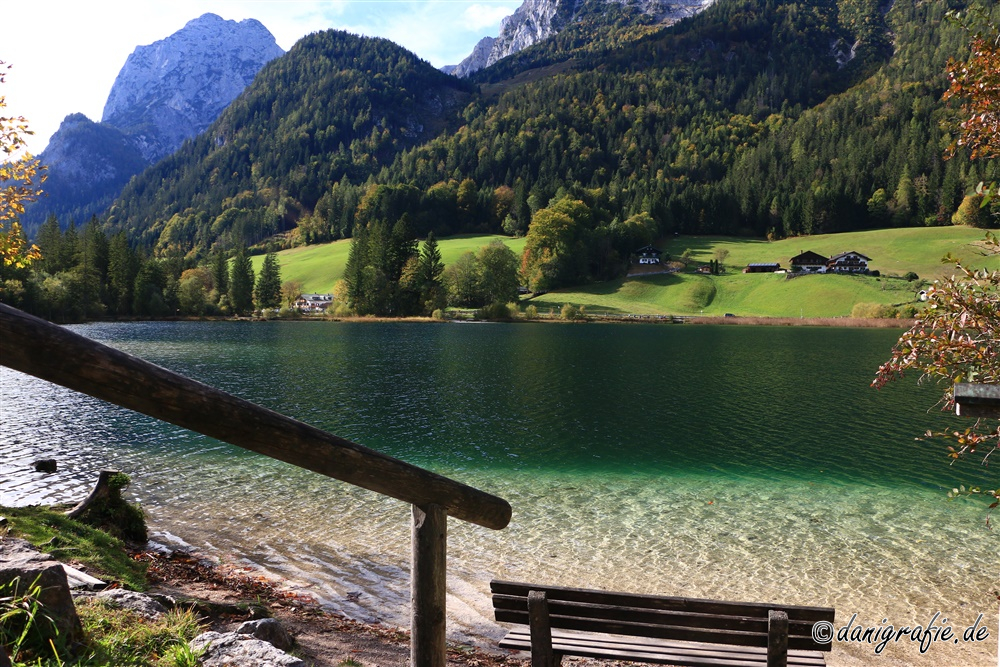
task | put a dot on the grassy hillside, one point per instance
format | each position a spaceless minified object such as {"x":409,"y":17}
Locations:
{"x":893,"y":252}
{"x":318,"y":267}
{"x":917,"y":249}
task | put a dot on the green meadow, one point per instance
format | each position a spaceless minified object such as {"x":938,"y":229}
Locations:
{"x":318,"y":267}
{"x":894,"y":253}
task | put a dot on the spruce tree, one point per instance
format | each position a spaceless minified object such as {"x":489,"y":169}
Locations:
{"x":241,"y":283}
{"x":356,"y":260}
{"x":267,"y":292}
{"x":432,"y":293}
{"x":220,"y":273}
{"x":123,"y":266}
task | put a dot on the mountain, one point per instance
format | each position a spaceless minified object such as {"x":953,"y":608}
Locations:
{"x":475,"y":61}
{"x":753,"y":118}
{"x":335,"y":107}
{"x":167,"y":92}
{"x":173,"y":89}
{"x":537,"y":20}
{"x":87,"y":164}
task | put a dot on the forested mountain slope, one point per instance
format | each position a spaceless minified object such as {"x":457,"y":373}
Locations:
{"x":754,"y":117}
{"x":335,"y":106}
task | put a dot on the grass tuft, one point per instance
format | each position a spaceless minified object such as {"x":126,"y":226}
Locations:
{"x":68,"y":540}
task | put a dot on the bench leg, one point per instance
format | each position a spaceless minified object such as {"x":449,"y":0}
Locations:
{"x":777,"y":639}
{"x":542,"y":654}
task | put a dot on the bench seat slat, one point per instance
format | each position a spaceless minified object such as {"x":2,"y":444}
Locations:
{"x":656,"y":651}
{"x":650,"y":616}
{"x":735,"y":637}
{"x":795,"y":612}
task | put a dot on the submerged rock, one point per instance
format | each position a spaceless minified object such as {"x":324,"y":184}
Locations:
{"x":45,"y":465}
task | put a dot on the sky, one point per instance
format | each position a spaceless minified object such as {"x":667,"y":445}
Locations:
{"x":65,"y":55}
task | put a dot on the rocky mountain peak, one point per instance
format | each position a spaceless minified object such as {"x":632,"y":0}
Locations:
{"x":536,"y":20}
{"x":174,"y":88}
{"x":167,"y":92}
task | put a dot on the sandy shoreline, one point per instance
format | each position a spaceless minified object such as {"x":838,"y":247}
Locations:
{"x":745,"y":320}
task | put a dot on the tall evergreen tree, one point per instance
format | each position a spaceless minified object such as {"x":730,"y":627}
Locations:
{"x":267,"y":292}
{"x":241,"y":283}
{"x":432,"y":293}
{"x":123,"y":267}
{"x":220,"y":273}
{"x":356,"y":260}
{"x":49,"y":241}
{"x":148,"y":298}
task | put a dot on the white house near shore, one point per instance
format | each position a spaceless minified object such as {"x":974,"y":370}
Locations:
{"x":313,"y":303}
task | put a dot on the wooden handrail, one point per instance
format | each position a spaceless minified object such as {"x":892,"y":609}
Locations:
{"x":50,"y":352}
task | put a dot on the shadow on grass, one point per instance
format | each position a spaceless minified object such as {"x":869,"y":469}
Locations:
{"x":632,"y":290}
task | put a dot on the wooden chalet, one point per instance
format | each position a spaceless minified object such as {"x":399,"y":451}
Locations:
{"x":848,"y":262}
{"x":762,"y":267}
{"x":648,"y":255}
{"x":809,"y":262}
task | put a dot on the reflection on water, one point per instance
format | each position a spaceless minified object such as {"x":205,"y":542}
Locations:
{"x":734,"y":463}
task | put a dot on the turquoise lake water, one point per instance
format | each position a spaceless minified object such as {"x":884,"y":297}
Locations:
{"x":729,"y":462}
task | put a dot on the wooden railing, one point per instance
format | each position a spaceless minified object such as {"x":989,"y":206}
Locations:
{"x":42,"y":349}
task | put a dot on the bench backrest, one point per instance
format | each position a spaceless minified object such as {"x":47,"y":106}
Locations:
{"x":688,"y":619}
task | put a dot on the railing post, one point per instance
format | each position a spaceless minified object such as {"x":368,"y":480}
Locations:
{"x":427,"y":586}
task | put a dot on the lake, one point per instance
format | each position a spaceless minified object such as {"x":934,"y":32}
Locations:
{"x":741,"y":463}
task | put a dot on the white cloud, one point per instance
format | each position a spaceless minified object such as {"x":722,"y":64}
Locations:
{"x":480,"y":17}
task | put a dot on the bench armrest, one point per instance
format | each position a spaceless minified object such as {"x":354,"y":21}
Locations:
{"x":541,"y":631}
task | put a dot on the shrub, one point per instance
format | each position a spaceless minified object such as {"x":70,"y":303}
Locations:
{"x":343,"y":310}
{"x":531,"y":312}
{"x":494,"y":311}
{"x":438,"y":314}
{"x":910,"y":276}
{"x":570,"y":312}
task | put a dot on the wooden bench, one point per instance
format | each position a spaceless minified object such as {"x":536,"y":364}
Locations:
{"x":648,"y":628}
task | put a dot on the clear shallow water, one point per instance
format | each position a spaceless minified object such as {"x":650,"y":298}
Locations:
{"x":729,"y":462}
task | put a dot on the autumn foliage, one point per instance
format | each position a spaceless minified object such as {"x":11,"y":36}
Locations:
{"x":976,"y":82}
{"x":20,"y":180}
{"x":957,"y":339}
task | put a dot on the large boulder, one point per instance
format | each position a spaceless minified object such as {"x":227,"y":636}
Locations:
{"x":224,"y":649}
{"x":22,"y":569}
{"x":269,"y":630}
{"x":142,"y":604}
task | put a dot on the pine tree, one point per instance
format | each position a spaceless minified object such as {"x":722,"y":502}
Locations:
{"x":429,"y":270}
{"x":267,"y":292}
{"x":220,"y":273}
{"x":123,"y":266}
{"x":241,"y":283}
{"x":356,"y":260}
